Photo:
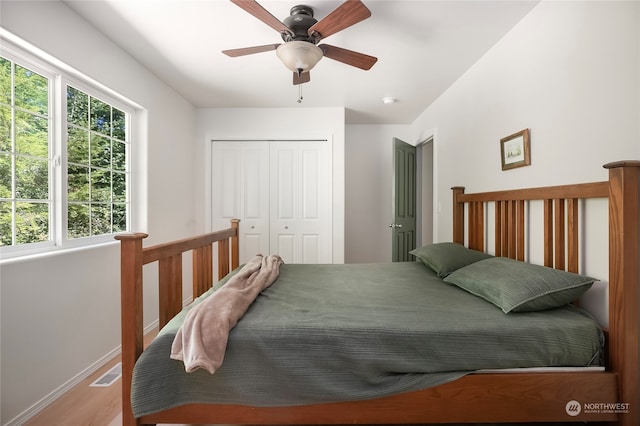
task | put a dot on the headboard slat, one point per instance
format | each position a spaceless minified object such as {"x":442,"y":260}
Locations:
{"x":512,"y":229}
{"x":548,"y":233}
{"x":520,"y":242}
{"x":498,"y":227}
{"x":572,"y":235}
{"x":558,"y":233}
{"x":476,"y":222}
{"x":504,"y":232}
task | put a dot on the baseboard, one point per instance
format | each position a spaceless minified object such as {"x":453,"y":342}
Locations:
{"x":36,"y":408}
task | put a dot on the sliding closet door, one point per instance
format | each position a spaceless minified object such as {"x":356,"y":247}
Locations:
{"x":300,"y":218}
{"x":280,"y":191}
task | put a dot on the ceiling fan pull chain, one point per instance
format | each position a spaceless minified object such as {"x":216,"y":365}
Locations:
{"x":300,"y":93}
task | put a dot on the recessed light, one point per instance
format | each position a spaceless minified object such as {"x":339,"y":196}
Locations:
{"x":389,"y":100}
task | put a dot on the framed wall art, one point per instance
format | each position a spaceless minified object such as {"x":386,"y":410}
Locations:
{"x":515,"y":150}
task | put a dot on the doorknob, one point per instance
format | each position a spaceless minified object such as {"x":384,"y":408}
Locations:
{"x":395,"y":225}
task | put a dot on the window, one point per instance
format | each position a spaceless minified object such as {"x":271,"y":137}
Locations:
{"x":96,"y":166}
{"x":64,"y":158}
{"x":25,"y":204}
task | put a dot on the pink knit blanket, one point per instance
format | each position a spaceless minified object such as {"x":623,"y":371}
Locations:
{"x":201,"y":342}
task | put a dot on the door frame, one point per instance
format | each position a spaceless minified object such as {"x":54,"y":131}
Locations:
{"x":426,"y":205}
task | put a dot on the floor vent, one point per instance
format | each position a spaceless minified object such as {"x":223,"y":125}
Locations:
{"x":108,"y":378}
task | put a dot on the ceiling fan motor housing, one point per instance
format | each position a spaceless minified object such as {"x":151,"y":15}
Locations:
{"x":299,"y":21}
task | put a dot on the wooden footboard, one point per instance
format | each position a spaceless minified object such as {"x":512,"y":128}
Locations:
{"x":169,"y":257}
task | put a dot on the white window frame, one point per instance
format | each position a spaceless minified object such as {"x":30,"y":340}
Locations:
{"x":61,"y":76}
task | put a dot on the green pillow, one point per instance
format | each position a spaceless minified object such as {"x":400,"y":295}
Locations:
{"x":444,"y":258}
{"x":515,"y":286}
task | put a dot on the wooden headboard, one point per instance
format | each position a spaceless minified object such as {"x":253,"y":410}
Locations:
{"x":560,"y":216}
{"x":561,"y":247}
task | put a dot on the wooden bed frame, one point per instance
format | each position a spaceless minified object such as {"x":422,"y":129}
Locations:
{"x":476,"y":398}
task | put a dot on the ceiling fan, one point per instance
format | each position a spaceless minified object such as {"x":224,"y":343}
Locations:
{"x":301,"y":33}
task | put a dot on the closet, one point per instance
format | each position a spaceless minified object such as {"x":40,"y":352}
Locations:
{"x":281,"y":192}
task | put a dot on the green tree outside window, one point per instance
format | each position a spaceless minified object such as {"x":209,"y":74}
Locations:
{"x":25,"y":203}
{"x":96,"y":170}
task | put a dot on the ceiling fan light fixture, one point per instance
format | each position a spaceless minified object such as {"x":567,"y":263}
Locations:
{"x":299,"y":56}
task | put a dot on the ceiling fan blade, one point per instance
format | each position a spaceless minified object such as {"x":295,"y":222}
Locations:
{"x":255,"y":9}
{"x":347,"y":14}
{"x":349,"y":57}
{"x":250,"y":50}
{"x":304,"y":77}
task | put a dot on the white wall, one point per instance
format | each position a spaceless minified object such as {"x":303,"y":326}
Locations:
{"x":276,"y":124}
{"x":368,"y":180}
{"x":569,"y":71}
{"x":60,"y":314}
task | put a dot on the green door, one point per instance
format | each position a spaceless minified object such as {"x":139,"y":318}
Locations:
{"x":403,"y":227}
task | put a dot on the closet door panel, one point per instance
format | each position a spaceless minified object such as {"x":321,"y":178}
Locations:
{"x":300,"y":176}
{"x":311,"y":249}
{"x":285,"y":247}
{"x":254,"y":173}
{"x":240,"y":189}
{"x":310,"y":185}
{"x":284,"y":167}
{"x":229,"y":183}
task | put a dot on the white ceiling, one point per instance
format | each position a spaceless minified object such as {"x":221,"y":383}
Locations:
{"x":422,"y":48}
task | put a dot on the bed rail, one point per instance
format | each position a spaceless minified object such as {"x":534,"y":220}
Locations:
{"x":560,"y":216}
{"x":169,"y":258}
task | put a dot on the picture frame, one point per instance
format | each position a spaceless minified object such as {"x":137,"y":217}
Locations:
{"x":515,"y":150}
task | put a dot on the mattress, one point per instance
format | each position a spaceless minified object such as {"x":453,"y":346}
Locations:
{"x":327,"y":333}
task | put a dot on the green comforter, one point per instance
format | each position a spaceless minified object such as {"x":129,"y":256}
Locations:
{"x":325,"y":333}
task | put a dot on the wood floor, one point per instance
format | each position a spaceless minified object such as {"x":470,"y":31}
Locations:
{"x":84,"y":405}
{"x":87,"y":406}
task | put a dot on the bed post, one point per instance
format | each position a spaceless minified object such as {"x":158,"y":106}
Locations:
{"x":624,"y":187}
{"x":131,"y":314}
{"x":458,"y":215}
